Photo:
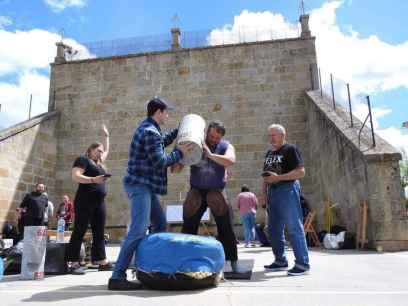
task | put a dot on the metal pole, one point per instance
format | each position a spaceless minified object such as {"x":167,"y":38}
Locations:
{"x":332,"y":90}
{"x":311,"y":76}
{"x":371,"y":120}
{"x":320,"y":83}
{"x":29,"y":110}
{"x":349,"y":100}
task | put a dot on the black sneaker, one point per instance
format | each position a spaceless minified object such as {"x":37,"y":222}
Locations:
{"x":274,"y":267}
{"x":123,"y":285}
{"x":296,"y":271}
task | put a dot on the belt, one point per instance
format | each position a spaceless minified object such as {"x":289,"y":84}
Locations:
{"x":277,"y":185}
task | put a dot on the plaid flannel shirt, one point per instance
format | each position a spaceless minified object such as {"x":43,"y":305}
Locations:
{"x":148,"y":160}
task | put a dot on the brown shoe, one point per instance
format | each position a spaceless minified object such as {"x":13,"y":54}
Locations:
{"x":106,"y":267}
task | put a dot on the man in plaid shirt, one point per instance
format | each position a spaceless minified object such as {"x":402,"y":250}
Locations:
{"x":144,"y":181}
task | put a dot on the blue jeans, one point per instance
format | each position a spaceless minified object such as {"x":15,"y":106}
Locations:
{"x":145,"y":208}
{"x":284,"y":210}
{"x":248,"y":221}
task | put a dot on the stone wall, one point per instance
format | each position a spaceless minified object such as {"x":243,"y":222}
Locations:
{"x":348,"y":172}
{"x":27,"y":156}
{"x":248,"y":86}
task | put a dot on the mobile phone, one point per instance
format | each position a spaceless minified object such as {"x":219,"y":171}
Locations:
{"x":107,"y":175}
{"x":265,"y":174}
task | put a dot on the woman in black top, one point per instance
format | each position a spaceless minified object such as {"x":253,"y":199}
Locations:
{"x":89,"y":204}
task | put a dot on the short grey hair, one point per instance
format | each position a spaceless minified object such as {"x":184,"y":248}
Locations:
{"x":277,"y":127}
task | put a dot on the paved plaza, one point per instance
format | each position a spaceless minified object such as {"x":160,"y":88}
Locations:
{"x":337,"y":278}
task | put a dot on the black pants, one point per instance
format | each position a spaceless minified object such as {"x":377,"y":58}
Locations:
{"x":194,"y":207}
{"x":89,"y":209}
{"x":20,"y":227}
{"x":33,"y":221}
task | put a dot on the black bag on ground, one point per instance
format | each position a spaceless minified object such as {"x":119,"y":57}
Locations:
{"x":10,"y":232}
{"x":55,"y":262}
{"x":349,"y":242}
{"x":321,"y":235}
{"x":337,"y":229}
{"x":12,"y":259}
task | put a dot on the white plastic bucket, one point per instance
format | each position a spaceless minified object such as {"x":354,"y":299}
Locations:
{"x":34,"y":248}
{"x":191,"y":130}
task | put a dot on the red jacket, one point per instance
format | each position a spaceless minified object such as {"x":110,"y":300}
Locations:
{"x":69,"y":211}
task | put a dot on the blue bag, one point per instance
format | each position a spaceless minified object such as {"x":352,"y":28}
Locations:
{"x":167,"y":261}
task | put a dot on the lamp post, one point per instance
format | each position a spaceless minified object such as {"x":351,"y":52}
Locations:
{"x":405,"y":126}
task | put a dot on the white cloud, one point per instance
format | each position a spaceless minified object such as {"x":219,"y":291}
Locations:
{"x":33,"y":49}
{"x":60,"y":5}
{"x":253,"y":26}
{"x":368,"y":64}
{"x":395,"y":137}
{"x":360,"y":110}
{"x":5,"y":21}
{"x":24,"y":59}
{"x":16,"y":97}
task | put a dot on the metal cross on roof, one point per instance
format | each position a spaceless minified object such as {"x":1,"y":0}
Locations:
{"x":61,"y":33}
{"x":302,"y":7}
{"x":176,"y":21}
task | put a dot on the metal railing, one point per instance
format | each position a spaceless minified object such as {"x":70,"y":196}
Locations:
{"x":125,"y":46}
{"x":188,"y":39}
{"x":339,"y":94}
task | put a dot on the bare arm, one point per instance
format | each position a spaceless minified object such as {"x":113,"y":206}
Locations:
{"x":78,"y":176}
{"x":226,"y":160}
{"x":106,"y":143}
{"x":176,"y":168}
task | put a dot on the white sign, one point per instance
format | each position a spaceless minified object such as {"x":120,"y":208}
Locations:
{"x":174,"y":213}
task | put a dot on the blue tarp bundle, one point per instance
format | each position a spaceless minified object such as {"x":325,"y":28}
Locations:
{"x":172,"y":252}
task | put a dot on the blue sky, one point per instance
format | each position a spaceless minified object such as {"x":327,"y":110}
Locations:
{"x":360,"y":41}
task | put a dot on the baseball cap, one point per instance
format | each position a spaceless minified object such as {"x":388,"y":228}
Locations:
{"x":159,"y":103}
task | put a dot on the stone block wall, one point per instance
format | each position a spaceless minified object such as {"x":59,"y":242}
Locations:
{"x":27,"y":156}
{"x":248,"y":86}
{"x":347,"y":172}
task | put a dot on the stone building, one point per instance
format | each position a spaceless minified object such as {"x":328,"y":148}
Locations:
{"x":248,"y":86}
